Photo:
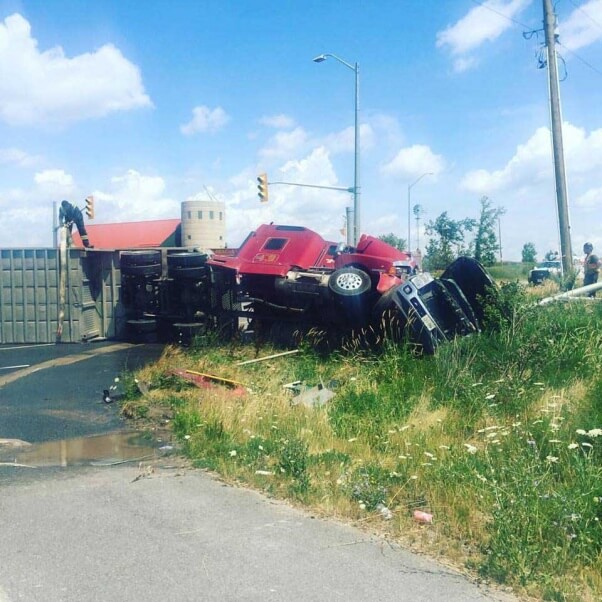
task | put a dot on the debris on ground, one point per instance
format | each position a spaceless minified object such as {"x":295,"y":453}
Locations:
{"x":316,"y":396}
{"x":422,"y":517}
{"x":209,"y":381}
{"x":267,"y":357}
{"x":384,"y":511}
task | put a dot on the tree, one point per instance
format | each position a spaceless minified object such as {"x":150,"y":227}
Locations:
{"x":486,"y":243}
{"x":529,"y":253}
{"x":394,"y":241}
{"x":445,"y":234}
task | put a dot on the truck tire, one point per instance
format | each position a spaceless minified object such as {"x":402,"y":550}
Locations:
{"x":349,"y":282}
{"x":136,"y":258}
{"x":191,"y":259}
{"x":147,"y":271}
{"x":188,"y":273}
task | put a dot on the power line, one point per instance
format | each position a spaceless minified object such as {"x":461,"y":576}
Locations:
{"x":529,"y":32}
{"x":497,"y":12}
{"x":580,"y":9}
{"x":580,"y":58}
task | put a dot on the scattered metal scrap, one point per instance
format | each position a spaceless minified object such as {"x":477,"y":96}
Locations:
{"x":576,"y":293}
{"x":209,"y":381}
{"x":267,"y":357}
{"x":316,"y":396}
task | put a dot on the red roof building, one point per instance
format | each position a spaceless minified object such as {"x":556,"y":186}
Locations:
{"x":132,"y":235}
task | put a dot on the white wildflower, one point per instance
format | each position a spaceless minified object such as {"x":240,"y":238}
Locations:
{"x":594,"y":433}
{"x":429,"y":455}
{"x":554,"y":441}
{"x":232,"y":453}
{"x":551,"y":459}
{"x":471,"y":449}
{"x":352,"y":440}
{"x":581,"y":432}
{"x":186,"y":437}
{"x":573,"y":445}
{"x":490,"y":396}
{"x":413,"y":477}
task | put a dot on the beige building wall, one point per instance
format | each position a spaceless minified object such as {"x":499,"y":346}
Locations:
{"x":204,"y":224}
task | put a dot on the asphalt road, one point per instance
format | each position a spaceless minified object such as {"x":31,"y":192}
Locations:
{"x":156,"y":529}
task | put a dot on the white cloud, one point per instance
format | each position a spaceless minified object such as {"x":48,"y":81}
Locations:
{"x":590,"y":199}
{"x":525,"y":186}
{"x":15,"y":156}
{"x":582,"y":28}
{"x":205,"y":119}
{"x":55,"y":182}
{"x":134,"y":196}
{"x":285,"y":144}
{"x":27,"y":213}
{"x":483,"y":23}
{"x":280,"y":122}
{"x":321,"y":210}
{"x":49,"y":88}
{"x":532,"y":161}
{"x":413,"y":161}
{"x":344,"y":141}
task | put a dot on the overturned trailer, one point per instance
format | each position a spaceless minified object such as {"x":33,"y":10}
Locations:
{"x":282,"y":282}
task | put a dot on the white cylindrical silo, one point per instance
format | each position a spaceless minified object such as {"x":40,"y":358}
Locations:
{"x":204,"y":224}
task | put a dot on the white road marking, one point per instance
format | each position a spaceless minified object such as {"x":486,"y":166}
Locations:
{"x":28,"y":346}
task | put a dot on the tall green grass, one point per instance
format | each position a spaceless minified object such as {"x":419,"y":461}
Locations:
{"x":498,"y":436}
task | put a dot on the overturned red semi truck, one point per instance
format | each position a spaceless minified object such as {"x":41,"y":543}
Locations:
{"x":285,"y":280}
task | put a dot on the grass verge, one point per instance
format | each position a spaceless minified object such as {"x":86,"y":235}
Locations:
{"x":497,"y":436}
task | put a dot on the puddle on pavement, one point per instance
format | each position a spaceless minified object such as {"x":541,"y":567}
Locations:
{"x":97,"y":450}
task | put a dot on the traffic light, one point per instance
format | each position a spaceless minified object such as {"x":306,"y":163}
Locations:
{"x":90,"y":207}
{"x":262,"y":187}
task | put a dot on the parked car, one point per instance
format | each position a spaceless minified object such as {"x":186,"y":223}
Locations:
{"x":544,"y":270}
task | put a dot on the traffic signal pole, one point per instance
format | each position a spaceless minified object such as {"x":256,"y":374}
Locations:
{"x":566,"y":250}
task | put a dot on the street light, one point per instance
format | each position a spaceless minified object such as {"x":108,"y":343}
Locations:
{"x":428,"y":173}
{"x":356,"y":176}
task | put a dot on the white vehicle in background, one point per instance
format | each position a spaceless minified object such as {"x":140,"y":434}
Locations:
{"x":544,"y":270}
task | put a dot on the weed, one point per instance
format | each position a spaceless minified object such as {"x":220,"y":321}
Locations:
{"x":498,"y":435}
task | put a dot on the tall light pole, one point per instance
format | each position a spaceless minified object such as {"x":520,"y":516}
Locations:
{"x":356,"y":173}
{"x":428,"y":173}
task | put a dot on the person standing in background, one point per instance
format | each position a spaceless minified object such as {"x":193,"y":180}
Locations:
{"x":591,"y":266}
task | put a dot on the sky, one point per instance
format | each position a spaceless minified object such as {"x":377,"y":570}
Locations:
{"x":148,"y":104}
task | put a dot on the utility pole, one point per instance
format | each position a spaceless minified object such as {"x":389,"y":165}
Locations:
{"x":499,"y":228}
{"x":566,"y":250}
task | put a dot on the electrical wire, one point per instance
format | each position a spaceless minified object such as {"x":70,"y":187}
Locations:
{"x":580,"y":9}
{"x":580,"y":58}
{"x":497,"y":12}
